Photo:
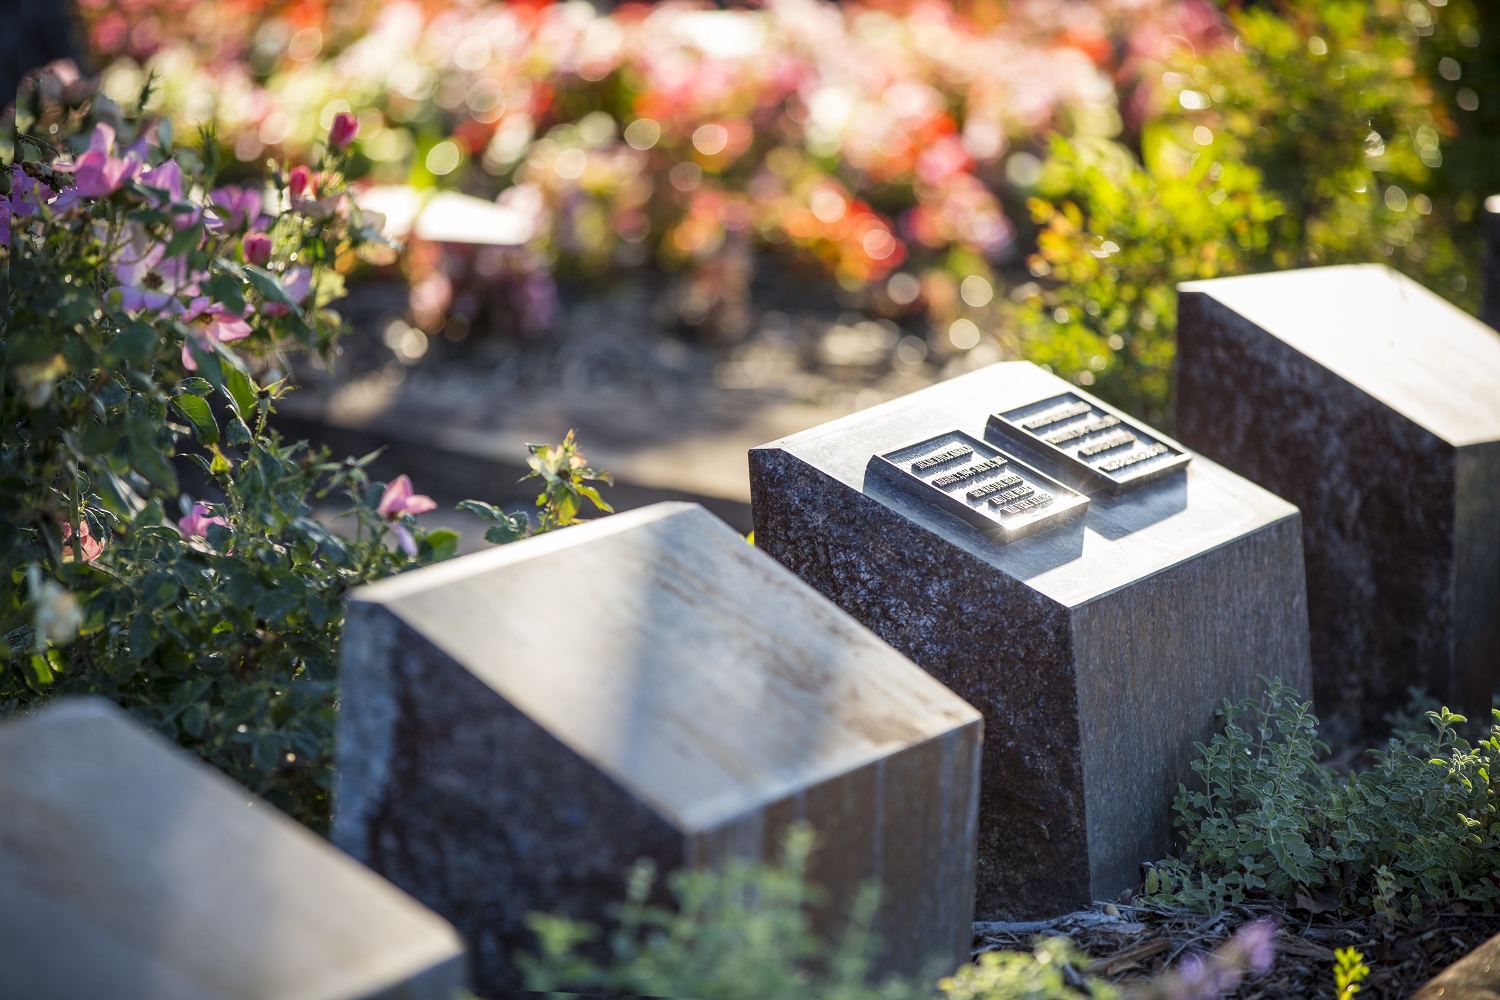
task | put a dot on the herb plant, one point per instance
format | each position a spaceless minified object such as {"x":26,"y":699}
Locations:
{"x":1271,"y":820}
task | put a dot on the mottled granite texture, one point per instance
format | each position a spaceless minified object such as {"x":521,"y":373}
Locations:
{"x":129,"y":869}
{"x":519,"y":726}
{"x":1374,"y":406}
{"x":1097,"y":651}
{"x":1476,"y":976}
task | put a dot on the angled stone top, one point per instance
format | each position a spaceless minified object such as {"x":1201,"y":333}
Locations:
{"x":1385,"y":334}
{"x":131,"y":870}
{"x":1119,"y":540}
{"x":694,"y":670}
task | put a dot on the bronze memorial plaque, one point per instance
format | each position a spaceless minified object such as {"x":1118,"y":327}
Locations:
{"x":989,"y":488}
{"x":1097,"y":450}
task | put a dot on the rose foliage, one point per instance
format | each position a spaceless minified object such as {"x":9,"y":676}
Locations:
{"x":147,"y":311}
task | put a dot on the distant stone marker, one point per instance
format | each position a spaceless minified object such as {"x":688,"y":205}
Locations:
{"x":1374,"y":406}
{"x":519,"y":726}
{"x":1097,"y":647}
{"x":132,"y":871}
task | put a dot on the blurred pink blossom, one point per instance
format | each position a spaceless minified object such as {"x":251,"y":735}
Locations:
{"x":343,"y":130}
{"x":149,"y":280}
{"x":397,"y":501}
{"x":257,"y":248}
{"x":298,"y":282}
{"x":27,"y":193}
{"x":195,"y":525}
{"x":98,"y":172}
{"x":237,"y":208}
{"x":213,"y":322}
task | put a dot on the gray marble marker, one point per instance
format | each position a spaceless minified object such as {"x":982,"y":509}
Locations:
{"x":1097,"y":648}
{"x":1374,"y":406}
{"x":520,"y":725}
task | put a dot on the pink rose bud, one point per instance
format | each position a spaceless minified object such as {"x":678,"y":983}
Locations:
{"x":345,"y":127}
{"x":257,"y":248}
{"x":300,"y":182}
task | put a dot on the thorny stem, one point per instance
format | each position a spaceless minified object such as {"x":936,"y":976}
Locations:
{"x":73,"y":503}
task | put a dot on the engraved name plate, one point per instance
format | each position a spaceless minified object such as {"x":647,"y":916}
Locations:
{"x":1093,"y":449}
{"x":989,"y":488}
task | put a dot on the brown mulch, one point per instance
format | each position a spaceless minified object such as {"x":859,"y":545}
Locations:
{"x":1127,"y":942}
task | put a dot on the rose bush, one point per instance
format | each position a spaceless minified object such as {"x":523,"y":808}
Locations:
{"x":148,"y":316}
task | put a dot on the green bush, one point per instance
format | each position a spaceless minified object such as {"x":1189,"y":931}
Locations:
{"x":219,"y":628}
{"x":1326,"y":134}
{"x":1418,"y":826}
{"x":743,"y":933}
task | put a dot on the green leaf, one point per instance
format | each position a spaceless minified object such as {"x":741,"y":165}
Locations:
{"x":237,"y":432}
{"x":270,"y":286}
{"x":152,"y":464}
{"x":512,"y":528}
{"x":196,"y":386}
{"x":274,"y":605}
{"x":39,"y":672}
{"x":593,"y":495}
{"x":183,"y":241}
{"x":159,"y":589}
{"x":439,"y":545}
{"x":241,"y":392}
{"x":99,"y":439}
{"x":200,"y":416}
{"x":487,"y":512}
{"x":136,"y":344}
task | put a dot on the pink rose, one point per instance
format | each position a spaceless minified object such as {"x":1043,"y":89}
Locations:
{"x":212,"y":322}
{"x":257,"y":248}
{"x":399,"y":500}
{"x":343,"y":130}
{"x":195,"y":525}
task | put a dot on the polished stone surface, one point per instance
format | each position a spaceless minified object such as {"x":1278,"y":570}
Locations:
{"x":1372,"y":404}
{"x":1097,"y":650}
{"x":519,"y":726}
{"x":131,"y":870}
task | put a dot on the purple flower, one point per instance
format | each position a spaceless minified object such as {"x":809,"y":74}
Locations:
{"x":148,"y":281}
{"x":1258,"y":939}
{"x":98,"y":172}
{"x":397,"y":501}
{"x":237,"y":208}
{"x":27,"y":194}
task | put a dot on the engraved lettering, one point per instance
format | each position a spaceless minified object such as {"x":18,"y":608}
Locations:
{"x":1116,"y":440}
{"x":1053,"y":416}
{"x":1036,"y":502}
{"x":933,"y":461}
{"x":1082,"y":430}
{"x":994,"y":486}
{"x":1011,"y":496}
{"x":1117,"y":464}
{"x":968,"y":472}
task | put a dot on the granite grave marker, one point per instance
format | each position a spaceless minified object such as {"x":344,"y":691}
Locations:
{"x":1374,"y":406}
{"x":131,"y":870}
{"x":1096,"y":647}
{"x":519,"y":726}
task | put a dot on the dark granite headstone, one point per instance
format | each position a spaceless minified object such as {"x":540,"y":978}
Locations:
{"x":130,"y":870}
{"x":519,"y":726}
{"x":1097,"y":647}
{"x":1374,"y":406}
